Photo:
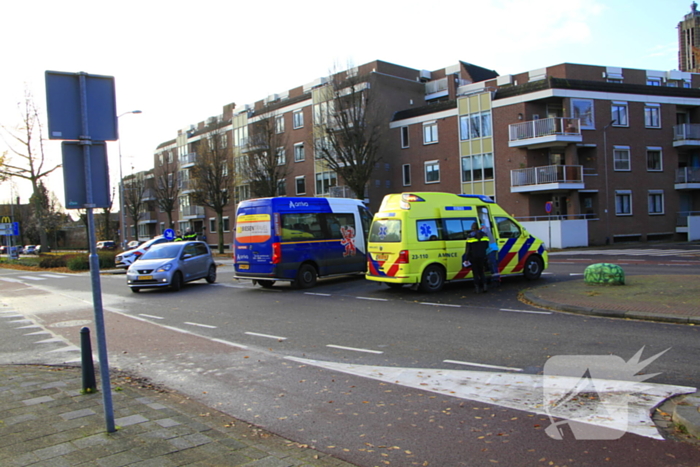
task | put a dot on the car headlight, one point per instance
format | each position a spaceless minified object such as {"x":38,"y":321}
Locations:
{"x":165,"y":267}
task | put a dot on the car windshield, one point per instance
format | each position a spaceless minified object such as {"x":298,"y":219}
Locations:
{"x":164,"y":252}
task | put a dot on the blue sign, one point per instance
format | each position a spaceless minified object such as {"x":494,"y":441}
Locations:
{"x":64,"y":111}
{"x":169,"y":234}
{"x":74,"y":177}
{"x":548,"y":207}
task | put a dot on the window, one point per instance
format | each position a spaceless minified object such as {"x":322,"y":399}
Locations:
{"x":227,"y":225}
{"x":212,"y":224}
{"x":385,"y":230}
{"x":507,"y":228}
{"x":621,"y":158}
{"x":301,"y":185}
{"x":583,"y":110}
{"x":281,"y":156}
{"x":653,"y":81}
{"x":432,"y":172}
{"x":406,"y":171}
{"x":476,"y":125}
{"x":654,"y":161}
{"x":324,"y":182}
{"x":623,"y":203}
{"x":652,"y":116}
{"x":299,"y":152}
{"x":430,"y":133}
{"x":477,"y":168}
{"x":282,"y":188}
{"x":404,"y":137}
{"x":619,"y":114}
{"x":656,"y":202}
{"x":279,"y":124}
{"x":298,"y":118}
{"x":162,"y":228}
{"x":464,"y":127}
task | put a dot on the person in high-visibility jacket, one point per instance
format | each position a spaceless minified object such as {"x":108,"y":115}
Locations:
{"x":189,"y":235}
{"x":477,"y":244}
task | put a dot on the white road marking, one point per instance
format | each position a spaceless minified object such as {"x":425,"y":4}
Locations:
{"x":319,"y":294}
{"x":527,"y":392}
{"x":483,"y":365}
{"x":151,"y":316}
{"x":70,"y":348}
{"x":7,"y":279}
{"x":50,"y":340}
{"x":373,"y":299}
{"x":22,"y":321}
{"x":354,"y":349}
{"x":37,"y":333}
{"x":13,"y":316}
{"x":232,"y":344}
{"x":439,"y":304}
{"x":266,"y":335}
{"x":527,"y":311}
{"x":53,"y":276}
{"x":32,"y":278}
{"x":201,"y":325}
{"x":576,"y":274}
{"x":31,"y":326}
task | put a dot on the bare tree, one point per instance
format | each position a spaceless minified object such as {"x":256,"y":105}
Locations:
{"x":167,"y":188}
{"x":352,"y":129}
{"x":213,"y":177}
{"x":134,"y":191}
{"x":26,"y":142}
{"x":265,"y":159}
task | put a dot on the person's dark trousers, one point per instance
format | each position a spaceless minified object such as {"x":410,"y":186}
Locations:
{"x":478,"y":267}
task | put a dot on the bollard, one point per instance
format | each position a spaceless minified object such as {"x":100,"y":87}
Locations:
{"x":89,"y":384}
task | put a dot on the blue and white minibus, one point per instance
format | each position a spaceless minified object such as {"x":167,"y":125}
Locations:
{"x":300,"y":239}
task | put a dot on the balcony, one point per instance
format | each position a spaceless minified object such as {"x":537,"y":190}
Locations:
{"x":253,"y":143}
{"x":192,"y":212}
{"x":148,"y":217}
{"x":686,"y":135}
{"x":188,"y":160}
{"x":688,"y":222}
{"x":687,"y":178}
{"x":149,"y":194}
{"x":550,"y":178}
{"x":186,"y":185}
{"x":545,"y":132}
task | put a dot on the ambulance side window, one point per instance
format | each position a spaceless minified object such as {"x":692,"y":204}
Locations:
{"x":427,"y":230}
{"x":507,"y":228}
{"x":458,"y":229}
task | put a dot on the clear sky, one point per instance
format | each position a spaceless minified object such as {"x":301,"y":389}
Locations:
{"x":181,"y":62}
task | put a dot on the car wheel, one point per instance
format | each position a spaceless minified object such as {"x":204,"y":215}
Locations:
{"x":266,"y":284}
{"x":176,"y":283}
{"x":533,"y":268}
{"x":306,"y":277}
{"x":135,"y":289}
{"x":211,"y":276}
{"x":433,"y":279}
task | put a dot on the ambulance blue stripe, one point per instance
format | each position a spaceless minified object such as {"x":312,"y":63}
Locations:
{"x":526,"y":247}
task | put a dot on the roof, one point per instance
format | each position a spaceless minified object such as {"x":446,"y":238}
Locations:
{"x":424,"y":110}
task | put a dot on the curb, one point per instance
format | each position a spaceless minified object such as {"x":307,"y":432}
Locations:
{"x":529,"y":297}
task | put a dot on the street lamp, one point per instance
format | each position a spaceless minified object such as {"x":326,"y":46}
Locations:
{"x":121,"y":186}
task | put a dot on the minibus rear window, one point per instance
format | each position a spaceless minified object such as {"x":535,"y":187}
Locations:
{"x":385,"y":230}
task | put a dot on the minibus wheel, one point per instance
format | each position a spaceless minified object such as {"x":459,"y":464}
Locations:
{"x":266,"y":284}
{"x":306,"y":276}
{"x":433,"y":279}
{"x":533,"y":267}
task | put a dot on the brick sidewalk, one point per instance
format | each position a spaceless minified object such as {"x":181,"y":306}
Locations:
{"x":46,"y":421}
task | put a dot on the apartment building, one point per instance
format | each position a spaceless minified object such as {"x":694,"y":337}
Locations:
{"x":594,"y":154}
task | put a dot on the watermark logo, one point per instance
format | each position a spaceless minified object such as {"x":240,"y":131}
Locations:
{"x":590,"y":393}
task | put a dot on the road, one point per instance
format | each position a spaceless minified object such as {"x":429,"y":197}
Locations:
{"x":362,"y":371}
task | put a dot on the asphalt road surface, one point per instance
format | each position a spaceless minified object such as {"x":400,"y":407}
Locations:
{"x":371,"y":375}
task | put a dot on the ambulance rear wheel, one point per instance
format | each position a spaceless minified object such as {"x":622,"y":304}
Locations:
{"x":433,"y":279}
{"x":306,"y":277}
{"x":533,"y":268}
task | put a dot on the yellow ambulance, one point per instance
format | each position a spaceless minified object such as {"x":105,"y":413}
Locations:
{"x":419,"y":239}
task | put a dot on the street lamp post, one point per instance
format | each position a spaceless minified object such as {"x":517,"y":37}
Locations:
{"x":121,"y":186}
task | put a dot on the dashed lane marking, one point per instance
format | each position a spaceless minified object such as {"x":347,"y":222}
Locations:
{"x":534,"y":312}
{"x":151,"y":316}
{"x":32,"y":278}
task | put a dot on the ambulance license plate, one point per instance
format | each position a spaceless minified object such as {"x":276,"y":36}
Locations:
{"x":382,"y":256}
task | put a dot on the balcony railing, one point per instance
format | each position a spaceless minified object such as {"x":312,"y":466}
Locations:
{"x":682,"y":217}
{"x":190,"y":211}
{"x":546,"y":175}
{"x":688,"y":175}
{"x":189,"y":158}
{"x":555,"y":126}
{"x":686,"y":131}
